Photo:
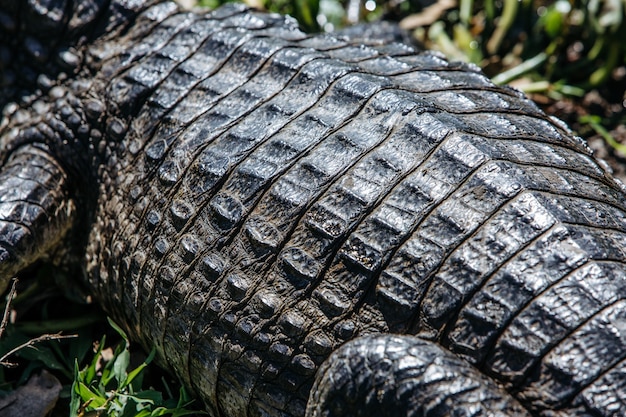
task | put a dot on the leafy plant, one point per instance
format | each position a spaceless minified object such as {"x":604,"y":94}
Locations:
{"x":110,"y":389}
{"x":34,"y":342}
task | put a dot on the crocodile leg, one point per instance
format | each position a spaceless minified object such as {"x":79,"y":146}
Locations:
{"x":373,"y":374}
{"x":35,"y":210}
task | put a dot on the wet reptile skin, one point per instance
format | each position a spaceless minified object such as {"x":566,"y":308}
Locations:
{"x":281,"y":214}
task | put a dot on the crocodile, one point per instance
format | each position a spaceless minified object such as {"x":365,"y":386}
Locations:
{"x":308,"y":225}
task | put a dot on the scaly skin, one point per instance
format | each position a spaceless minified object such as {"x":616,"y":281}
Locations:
{"x":272,"y":209}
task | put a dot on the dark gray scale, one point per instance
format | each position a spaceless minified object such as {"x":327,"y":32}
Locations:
{"x":139,"y":257}
{"x":443,"y":288}
{"x":383,"y":65}
{"x":506,"y":291}
{"x":253,"y":172}
{"x":589,"y":352}
{"x":176,"y":85}
{"x":460,"y":101}
{"x":552,"y":245}
{"x":606,"y":393}
{"x":403,"y":62}
{"x":142,"y":47}
{"x":307,"y":166}
{"x":584,"y":210}
{"x":285,"y":61}
{"x":37,"y":43}
{"x":323,"y":119}
{"x":396,"y":49}
{"x":160,"y":148}
{"x":336,"y":48}
{"x":142,"y":78}
{"x":181,"y":41}
{"x":527,"y":151}
{"x":223,"y":206}
{"x":323,"y":43}
{"x":329,"y":218}
{"x":474,"y":211}
{"x":353,"y":53}
{"x":426,"y":81}
{"x":295,"y":189}
{"x":432,"y":61}
{"x":254,"y":52}
{"x":189,"y":293}
{"x":347,"y":199}
{"x":227,"y":75}
{"x":297,"y":262}
{"x":504,"y":126}
{"x":31,"y":210}
{"x":417,"y":250}
{"x":145,"y":22}
{"x":233,"y":289}
{"x":409,"y":362}
{"x":443,"y":285}
{"x":170,"y":169}
{"x":364,"y":250}
{"x":523,"y":343}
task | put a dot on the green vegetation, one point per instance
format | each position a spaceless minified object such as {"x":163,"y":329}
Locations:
{"x":69,"y":339}
{"x":113,"y":390}
{"x":562,"y":47}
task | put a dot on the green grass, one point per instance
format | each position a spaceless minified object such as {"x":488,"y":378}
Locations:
{"x":115,"y":388}
{"x":70,"y":339}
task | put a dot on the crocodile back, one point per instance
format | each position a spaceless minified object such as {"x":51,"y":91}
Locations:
{"x":266,"y":195}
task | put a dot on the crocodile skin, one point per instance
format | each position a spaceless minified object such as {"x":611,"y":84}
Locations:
{"x":250,"y":199}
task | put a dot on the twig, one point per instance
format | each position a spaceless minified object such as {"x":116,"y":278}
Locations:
{"x":7,"y":308}
{"x":31,"y":342}
{"x":519,"y":70}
